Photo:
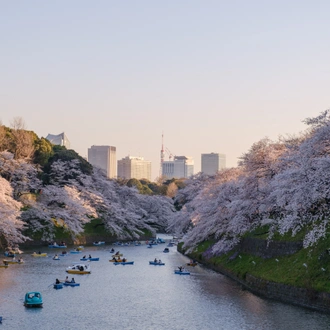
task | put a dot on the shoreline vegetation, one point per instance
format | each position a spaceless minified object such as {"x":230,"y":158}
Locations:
{"x":281,"y":270}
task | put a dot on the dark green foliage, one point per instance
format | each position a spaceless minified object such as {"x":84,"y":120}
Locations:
{"x":61,"y":153}
{"x":43,"y":151}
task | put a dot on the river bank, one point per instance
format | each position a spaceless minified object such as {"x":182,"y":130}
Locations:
{"x":275,"y":271}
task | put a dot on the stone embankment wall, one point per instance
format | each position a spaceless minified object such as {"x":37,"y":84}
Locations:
{"x":304,"y":297}
{"x":262,"y":248}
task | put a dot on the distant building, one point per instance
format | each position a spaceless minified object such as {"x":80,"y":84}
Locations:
{"x":104,"y":157}
{"x":213,"y":162}
{"x":180,"y":167}
{"x":134,"y":168}
{"x":60,"y":140}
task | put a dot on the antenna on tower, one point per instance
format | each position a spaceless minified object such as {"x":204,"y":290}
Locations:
{"x":162,"y":156}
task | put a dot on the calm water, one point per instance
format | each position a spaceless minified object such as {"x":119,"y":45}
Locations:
{"x":141,"y":296}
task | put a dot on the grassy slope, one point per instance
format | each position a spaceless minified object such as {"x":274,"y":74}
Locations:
{"x":287,"y":269}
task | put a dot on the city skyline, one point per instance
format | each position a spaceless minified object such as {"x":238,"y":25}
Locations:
{"x":213,"y":77}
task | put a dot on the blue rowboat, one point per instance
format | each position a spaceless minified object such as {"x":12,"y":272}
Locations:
{"x":33,"y":299}
{"x":71,"y":284}
{"x":75,"y":252}
{"x":9,"y":254}
{"x":124,"y":263}
{"x":184,"y":272}
{"x":90,"y":259}
{"x":58,"y":286}
{"x":57,"y":246}
{"x":98,"y":243}
{"x":166,"y":250}
{"x":156,"y":263}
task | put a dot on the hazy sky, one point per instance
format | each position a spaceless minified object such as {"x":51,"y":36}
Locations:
{"x":214,"y":76}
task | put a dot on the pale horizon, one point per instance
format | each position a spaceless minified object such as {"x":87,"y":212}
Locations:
{"x":212,"y":76}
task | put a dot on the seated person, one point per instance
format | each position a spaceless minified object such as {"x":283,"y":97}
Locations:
{"x":124,"y":259}
{"x":57,"y":281}
{"x":73,"y":281}
{"x":67,"y":279}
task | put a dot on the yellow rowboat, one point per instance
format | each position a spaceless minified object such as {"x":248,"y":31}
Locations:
{"x":117,"y":260}
{"x":117,"y":255}
{"x":39,"y":254}
{"x":12,"y":262}
{"x":3,"y":266}
{"x":79,"y":269}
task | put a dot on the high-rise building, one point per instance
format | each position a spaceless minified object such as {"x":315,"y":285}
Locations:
{"x":60,"y":139}
{"x":134,"y":167}
{"x":213,"y":162}
{"x":104,"y":157}
{"x":180,"y":167}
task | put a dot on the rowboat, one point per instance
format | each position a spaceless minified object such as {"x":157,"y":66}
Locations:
{"x":34,"y":254}
{"x":192,"y":264}
{"x":90,"y":259}
{"x":181,"y":272}
{"x":56,"y":246}
{"x":166,"y":250}
{"x":117,"y":260}
{"x":75,"y":251}
{"x":33,"y":299}
{"x":98,"y":243}
{"x":124,"y":263}
{"x":71,"y":284}
{"x":5,"y":261}
{"x":79,"y":269}
{"x":156,"y":263}
{"x":117,"y":255}
{"x":9,"y":254}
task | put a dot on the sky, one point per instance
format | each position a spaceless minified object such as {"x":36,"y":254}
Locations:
{"x":212,"y":76}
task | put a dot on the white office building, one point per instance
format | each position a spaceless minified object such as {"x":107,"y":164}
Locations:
{"x":59,"y":139}
{"x":134,"y":167}
{"x":180,"y":167}
{"x":104,"y":157}
{"x":213,"y":162}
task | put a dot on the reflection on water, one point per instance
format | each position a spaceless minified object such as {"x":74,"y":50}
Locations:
{"x":140,"y":296}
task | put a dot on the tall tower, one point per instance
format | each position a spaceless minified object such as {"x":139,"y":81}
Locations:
{"x":162,"y":157}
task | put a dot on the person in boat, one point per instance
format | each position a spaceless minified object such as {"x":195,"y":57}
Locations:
{"x":117,"y":252}
{"x":81,"y":268}
{"x":57,"y":281}
{"x":39,"y":252}
{"x":159,"y":261}
{"x":73,"y":281}
{"x":124,"y":260}
{"x":114,"y":259}
{"x":20,"y":260}
{"x":67,"y":279}
{"x":64,"y":252}
{"x":112,"y":251}
{"x":181,"y":269}
{"x":5,"y":262}
{"x":84,"y":257}
{"x":89,"y":256}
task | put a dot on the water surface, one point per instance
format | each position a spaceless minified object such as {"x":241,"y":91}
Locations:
{"x":140,"y":296}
